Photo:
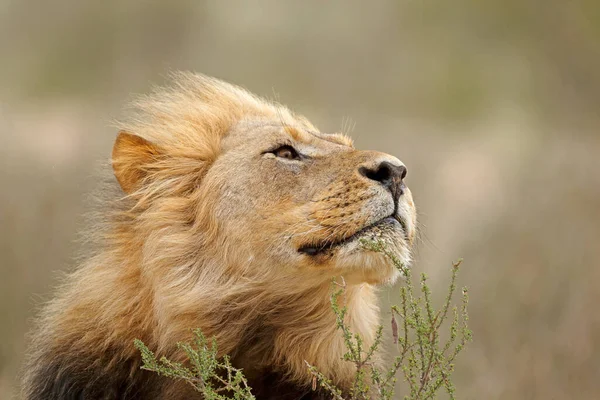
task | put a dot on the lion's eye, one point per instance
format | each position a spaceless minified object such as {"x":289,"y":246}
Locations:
{"x":287,"y":152}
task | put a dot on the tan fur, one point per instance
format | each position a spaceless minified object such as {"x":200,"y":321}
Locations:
{"x":207,"y":232}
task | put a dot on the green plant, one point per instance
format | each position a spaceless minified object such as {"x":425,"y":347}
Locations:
{"x":425,"y":360}
{"x":215,"y":378}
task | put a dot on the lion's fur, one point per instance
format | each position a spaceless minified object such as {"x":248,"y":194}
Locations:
{"x":166,"y":263}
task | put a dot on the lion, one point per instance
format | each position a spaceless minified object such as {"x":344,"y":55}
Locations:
{"x":231,"y":214}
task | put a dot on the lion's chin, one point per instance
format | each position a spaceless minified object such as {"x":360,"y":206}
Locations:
{"x":366,"y":256}
{"x":368,"y":267}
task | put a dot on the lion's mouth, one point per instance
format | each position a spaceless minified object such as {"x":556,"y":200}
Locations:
{"x":395,"y":222}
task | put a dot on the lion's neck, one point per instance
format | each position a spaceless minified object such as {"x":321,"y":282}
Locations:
{"x":274,"y":325}
{"x":265,"y":329}
{"x":301,"y":328}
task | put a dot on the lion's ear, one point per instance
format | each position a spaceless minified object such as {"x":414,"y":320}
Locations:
{"x":130,"y":157}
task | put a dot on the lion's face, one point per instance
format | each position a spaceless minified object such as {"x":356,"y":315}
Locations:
{"x":295,"y":201}
{"x":251,"y":187}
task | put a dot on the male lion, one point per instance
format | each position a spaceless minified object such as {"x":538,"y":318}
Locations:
{"x":232,"y":215}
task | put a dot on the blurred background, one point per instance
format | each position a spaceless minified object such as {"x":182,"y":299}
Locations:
{"x":493,"y":106}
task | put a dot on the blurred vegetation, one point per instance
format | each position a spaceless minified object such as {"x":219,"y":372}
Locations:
{"x":493,"y":105}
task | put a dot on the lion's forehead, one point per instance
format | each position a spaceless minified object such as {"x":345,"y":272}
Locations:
{"x":261,"y":132}
{"x":337,"y":138}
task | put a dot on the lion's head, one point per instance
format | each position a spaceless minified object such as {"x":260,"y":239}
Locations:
{"x":232,"y":216}
{"x":272,"y":196}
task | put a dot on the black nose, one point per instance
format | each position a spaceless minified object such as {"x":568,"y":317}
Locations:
{"x":385,"y":173}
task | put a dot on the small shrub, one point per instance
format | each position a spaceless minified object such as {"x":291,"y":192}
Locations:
{"x":425,"y":361}
{"x":215,"y":378}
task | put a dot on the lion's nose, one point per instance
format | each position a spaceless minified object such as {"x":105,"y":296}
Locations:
{"x":385,"y":172}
